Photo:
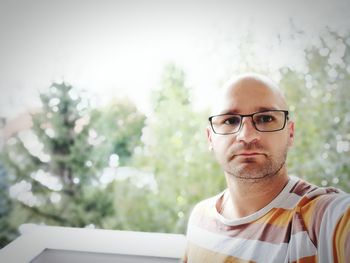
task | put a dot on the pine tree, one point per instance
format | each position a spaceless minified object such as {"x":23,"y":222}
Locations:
{"x":7,"y":232}
{"x":58,"y":163}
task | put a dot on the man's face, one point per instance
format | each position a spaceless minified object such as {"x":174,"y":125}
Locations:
{"x":251,"y":154}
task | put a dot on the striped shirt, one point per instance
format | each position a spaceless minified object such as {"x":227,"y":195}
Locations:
{"x":304,"y":223}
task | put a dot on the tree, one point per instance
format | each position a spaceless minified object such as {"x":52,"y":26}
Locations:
{"x":175,"y":151}
{"x":319,"y":103}
{"x":58,"y":164}
{"x":7,"y":231}
{"x":121,"y":124}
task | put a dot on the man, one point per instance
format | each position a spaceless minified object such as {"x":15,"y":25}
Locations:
{"x":264,"y":215}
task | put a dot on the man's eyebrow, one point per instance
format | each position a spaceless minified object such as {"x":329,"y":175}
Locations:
{"x":229,"y":112}
{"x":266,"y":108}
{"x":258,"y":109}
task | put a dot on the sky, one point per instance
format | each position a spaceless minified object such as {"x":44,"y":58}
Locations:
{"x":119,"y":48}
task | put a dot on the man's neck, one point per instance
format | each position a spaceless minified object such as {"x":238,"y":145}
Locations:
{"x":244,"y":198}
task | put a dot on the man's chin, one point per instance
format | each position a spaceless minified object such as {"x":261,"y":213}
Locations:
{"x":247,"y":171}
{"x":247,"y":166}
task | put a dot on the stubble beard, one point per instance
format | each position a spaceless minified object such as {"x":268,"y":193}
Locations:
{"x":252,"y":171}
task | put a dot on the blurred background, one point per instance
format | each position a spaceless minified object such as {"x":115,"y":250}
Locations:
{"x":104,"y":104}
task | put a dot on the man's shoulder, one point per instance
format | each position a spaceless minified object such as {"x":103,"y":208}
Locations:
{"x":307,"y":190}
{"x":206,"y":203}
{"x":206,"y":206}
{"x":325,"y":212}
{"x":300,"y":195}
{"x":318,"y":200}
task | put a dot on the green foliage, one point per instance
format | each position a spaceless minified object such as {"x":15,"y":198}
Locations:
{"x":62,"y":156}
{"x":319,"y":102}
{"x":7,"y":231}
{"x":176,"y":152}
{"x":120,"y":124}
{"x":58,"y":164}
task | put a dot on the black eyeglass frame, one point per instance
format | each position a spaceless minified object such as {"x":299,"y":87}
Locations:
{"x":286,"y":118}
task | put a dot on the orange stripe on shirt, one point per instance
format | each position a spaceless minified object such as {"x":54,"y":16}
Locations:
{"x":341,"y":242}
{"x":313,"y":212}
{"x":311,"y":259}
{"x":279,"y":217}
{"x":203,"y":255}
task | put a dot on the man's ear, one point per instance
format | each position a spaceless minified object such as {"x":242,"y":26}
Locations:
{"x":291,"y":133}
{"x":209,"y":134}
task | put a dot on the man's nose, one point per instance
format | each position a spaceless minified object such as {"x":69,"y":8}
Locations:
{"x":247,"y":132}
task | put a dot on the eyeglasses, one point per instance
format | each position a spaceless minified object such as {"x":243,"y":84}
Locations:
{"x":263,"y":121}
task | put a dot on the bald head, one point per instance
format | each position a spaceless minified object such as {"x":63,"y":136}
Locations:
{"x":249,"y":93}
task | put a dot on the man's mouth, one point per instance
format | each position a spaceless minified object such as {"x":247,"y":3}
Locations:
{"x":249,"y":154}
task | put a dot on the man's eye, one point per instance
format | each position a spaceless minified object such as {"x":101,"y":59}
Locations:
{"x":265,"y":119}
{"x":232,"y":121}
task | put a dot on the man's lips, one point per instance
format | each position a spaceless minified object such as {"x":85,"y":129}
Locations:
{"x":248,"y":154}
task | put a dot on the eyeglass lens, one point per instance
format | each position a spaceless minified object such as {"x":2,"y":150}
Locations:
{"x":263,"y":121}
